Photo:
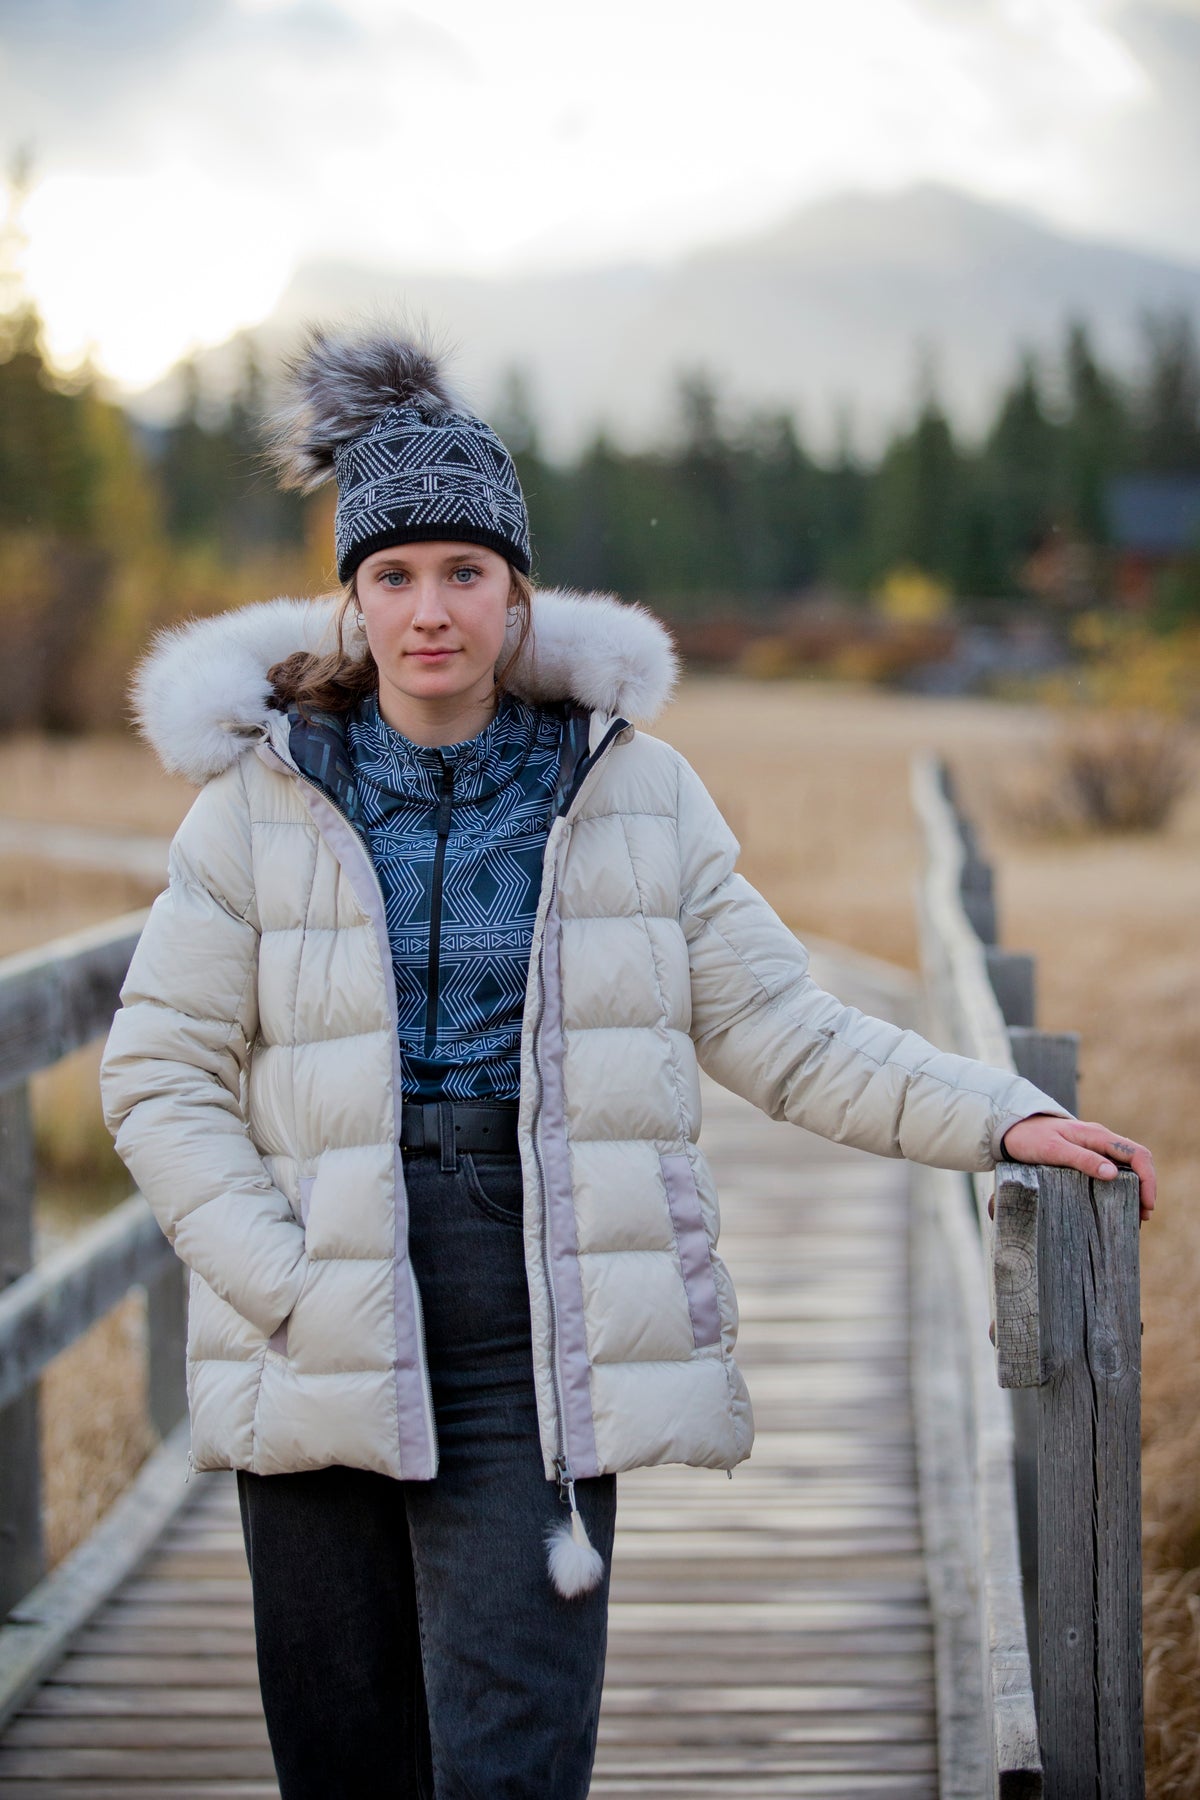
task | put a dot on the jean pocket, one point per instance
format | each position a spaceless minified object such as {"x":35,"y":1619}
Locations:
{"x":495,"y":1186}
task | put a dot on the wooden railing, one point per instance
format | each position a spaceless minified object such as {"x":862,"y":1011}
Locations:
{"x":52,"y":1001}
{"x":1030,"y":1452}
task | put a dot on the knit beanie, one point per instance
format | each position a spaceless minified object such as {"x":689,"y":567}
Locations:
{"x":372,"y":409}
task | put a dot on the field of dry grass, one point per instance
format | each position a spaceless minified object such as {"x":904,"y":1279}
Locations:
{"x":813,"y":779}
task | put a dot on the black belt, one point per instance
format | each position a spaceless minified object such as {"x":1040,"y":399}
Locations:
{"x":442,"y":1125}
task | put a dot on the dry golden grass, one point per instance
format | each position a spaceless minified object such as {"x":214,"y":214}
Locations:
{"x":814,"y":780}
{"x":95,"y":1429}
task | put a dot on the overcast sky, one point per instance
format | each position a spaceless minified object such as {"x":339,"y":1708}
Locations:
{"x":188,"y":154}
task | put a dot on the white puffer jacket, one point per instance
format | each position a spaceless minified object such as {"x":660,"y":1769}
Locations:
{"x":252,"y":1077}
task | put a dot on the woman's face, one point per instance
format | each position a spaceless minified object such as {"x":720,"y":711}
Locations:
{"x":435,"y":617}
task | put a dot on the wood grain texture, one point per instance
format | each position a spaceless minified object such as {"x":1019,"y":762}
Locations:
{"x":1089,"y":1549}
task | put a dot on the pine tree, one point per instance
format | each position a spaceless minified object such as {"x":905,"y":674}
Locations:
{"x":1021,"y":473}
{"x":1168,"y":437}
{"x":913,"y":510}
{"x":1096,"y":437}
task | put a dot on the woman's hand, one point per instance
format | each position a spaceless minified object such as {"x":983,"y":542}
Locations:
{"x":1080,"y":1144}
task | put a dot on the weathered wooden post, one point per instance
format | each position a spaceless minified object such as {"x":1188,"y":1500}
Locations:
{"x":1071,"y":1331}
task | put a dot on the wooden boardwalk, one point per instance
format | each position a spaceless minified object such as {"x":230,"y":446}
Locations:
{"x":770,"y":1632}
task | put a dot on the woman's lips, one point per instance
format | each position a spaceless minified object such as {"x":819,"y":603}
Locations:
{"x":431,"y":656}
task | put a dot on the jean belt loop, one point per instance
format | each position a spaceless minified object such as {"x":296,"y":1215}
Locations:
{"x":449,"y":1148}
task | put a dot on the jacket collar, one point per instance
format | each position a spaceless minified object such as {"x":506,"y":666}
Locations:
{"x":200,"y":694}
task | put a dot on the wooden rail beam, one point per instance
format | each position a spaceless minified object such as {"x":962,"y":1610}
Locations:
{"x":56,"y":1302}
{"x":62,"y":995}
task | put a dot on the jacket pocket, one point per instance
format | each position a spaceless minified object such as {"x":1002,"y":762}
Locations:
{"x":278,"y":1340}
{"x":691,"y":1240}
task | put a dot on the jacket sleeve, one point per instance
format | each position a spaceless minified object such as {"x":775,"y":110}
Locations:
{"x":171,"y":1077}
{"x":763,"y":1027}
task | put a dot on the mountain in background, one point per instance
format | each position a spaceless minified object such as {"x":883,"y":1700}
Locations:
{"x":835,"y":313}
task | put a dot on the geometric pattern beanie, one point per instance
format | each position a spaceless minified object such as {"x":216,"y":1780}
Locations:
{"x":427,"y":474}
{"x":372,"y":408}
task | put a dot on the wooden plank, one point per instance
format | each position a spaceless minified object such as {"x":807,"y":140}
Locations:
{"x":61,"y":1699}
{"x":86,"y":1787}
{"x":134,"y":1765}
{"x":41,"y":1731}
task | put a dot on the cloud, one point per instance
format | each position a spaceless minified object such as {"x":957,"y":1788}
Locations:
{"x":106,"y":83}
{"x":1148,"y":164}
{"x":110,"y":29}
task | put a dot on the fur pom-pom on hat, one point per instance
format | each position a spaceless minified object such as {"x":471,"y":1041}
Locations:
{"x":371,"y":407}
{"x":337,"y":385}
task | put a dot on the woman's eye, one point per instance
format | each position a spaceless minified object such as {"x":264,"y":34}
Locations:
{"x":387,"y":575}
{"x":467,"y":569}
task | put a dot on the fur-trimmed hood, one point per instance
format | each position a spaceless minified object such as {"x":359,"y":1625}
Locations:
{"x":201,"y":691}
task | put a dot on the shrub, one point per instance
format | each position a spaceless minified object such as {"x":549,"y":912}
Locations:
{"x":1108,"y":772}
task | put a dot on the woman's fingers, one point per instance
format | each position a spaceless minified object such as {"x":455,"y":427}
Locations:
{"x":1105,"y":1150}
{"x":1086,"y":1145}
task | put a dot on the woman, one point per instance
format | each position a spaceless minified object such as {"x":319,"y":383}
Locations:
{"x":407,"y":1067}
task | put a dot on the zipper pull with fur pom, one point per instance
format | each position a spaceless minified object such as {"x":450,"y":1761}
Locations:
{"x":576,"y":1566}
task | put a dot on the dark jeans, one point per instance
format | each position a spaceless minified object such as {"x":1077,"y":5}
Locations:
{"x":409,"y":1640}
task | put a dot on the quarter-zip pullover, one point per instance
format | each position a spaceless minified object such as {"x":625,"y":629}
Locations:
{"x":457,"y":835}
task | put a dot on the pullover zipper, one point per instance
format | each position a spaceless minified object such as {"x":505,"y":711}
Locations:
{"x":444,"y":811}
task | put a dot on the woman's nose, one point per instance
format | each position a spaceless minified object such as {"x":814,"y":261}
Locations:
{"x":429,"y":607}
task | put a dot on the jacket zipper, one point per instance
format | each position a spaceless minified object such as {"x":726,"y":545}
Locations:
{"x":562,"y":1463}
{"x":583,"y":773}
{"x":294,"y":769}
{"x":445,"y":808}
